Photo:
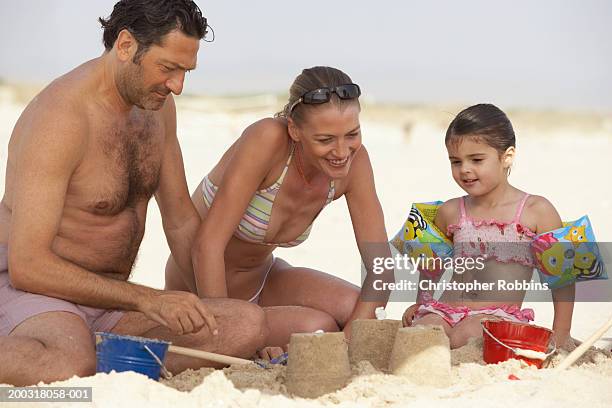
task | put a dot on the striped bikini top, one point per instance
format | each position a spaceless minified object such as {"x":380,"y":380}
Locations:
{"x":255,"y":221}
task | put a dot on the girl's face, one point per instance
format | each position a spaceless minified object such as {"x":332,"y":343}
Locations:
{"x":477,"y":167}
{"x":330,"y":137}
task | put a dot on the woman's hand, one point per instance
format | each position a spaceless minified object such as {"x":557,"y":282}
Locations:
{"x":347,"y":331}
{"x":268,"y":353}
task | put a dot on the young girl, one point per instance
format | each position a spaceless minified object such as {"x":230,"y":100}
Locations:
{"x":494,"y":221}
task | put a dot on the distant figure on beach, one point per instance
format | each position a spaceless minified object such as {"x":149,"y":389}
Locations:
{"x":84,"y":159}
{"x":266,"y":191}
{"x":495,"y":221}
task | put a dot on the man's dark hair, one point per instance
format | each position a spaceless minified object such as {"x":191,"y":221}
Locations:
{"x":150,"y":20}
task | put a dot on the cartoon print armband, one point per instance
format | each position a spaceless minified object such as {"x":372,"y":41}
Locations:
{"x":568,"y":254}
{"x":420,"y":238}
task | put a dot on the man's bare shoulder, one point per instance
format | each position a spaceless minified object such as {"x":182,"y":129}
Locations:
{"x":54,"y":121}
{"x":60,"y":113}
{"x":63,"y":97}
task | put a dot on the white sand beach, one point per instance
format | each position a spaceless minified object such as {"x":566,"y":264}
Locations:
{"x":562,"y":156}
{"x":472,"y":384}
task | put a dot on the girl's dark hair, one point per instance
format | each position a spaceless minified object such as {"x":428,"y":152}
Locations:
{"x":311,"y":79}
{"x":486,"y":122}
{"x":150,"y":20}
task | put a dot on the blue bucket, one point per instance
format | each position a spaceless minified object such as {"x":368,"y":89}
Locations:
{"x":128,"y":353}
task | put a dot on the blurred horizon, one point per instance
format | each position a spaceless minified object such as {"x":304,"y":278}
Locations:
{"x":545,"y":55}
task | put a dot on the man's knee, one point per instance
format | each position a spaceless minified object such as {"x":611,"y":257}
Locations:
{"x":59,"y":364}
{"x":248,"y":325}
{"x":69,"y":364}
{"x":54,"y":345}
{"x":255,"y":326}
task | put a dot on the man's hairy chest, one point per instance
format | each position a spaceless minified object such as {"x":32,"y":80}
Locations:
{"x":121,"y":167}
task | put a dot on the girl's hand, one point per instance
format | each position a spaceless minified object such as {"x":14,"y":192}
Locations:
{"x":409,"y":315}
{"x":563,"y":340}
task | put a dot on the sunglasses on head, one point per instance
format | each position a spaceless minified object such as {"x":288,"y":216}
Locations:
{"x":322,"y":95}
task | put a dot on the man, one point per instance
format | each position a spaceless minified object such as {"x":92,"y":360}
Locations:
{"x":84,"y":159}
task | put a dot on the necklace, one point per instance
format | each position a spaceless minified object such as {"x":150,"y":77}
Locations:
{"x":299,"y":165}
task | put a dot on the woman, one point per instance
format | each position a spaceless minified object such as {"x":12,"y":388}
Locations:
{"x":266,"y":191}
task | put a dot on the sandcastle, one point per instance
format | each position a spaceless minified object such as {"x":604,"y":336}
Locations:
{"x":318,"y":364}
{"x":422,"y":354}
{"x":372,"y":340}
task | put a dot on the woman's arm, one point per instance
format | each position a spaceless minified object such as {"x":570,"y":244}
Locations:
{"x":255,"y":152}
{"x":369,"y":227}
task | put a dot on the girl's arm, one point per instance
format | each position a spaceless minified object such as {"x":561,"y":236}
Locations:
{"x":369,"y":227}
{"x":548,"y":219}
{"x":251,"y":161}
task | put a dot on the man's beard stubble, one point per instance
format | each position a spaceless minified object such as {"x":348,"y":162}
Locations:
{"x":131,"y":88}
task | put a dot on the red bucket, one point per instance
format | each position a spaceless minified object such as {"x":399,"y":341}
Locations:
{"x":513,"y":335}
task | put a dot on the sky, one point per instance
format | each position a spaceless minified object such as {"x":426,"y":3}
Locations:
{"x":521,"y":53}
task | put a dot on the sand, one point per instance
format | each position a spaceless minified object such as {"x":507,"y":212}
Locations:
{"x":422,"y":355}
{"x":372,"y":340}
{"x":470,"y":375}
{"x":586,"y":384}
{"x":410,"y":165}
{"x":319,"y":364}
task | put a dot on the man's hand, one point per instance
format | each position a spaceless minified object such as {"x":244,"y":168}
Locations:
{"x":181,"y":312}
{"x":409,"y":315}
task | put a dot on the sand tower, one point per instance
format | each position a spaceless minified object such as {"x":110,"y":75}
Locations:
{"x":372,"y":340}
{"x":318,"y":364}
{"x":422,"y":354}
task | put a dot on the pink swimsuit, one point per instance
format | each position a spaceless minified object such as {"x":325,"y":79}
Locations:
{"x":506,"y":242}
{"x":503,"y":241}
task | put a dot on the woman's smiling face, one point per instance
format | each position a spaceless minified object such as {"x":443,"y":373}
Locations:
{"x":330,"y":138}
